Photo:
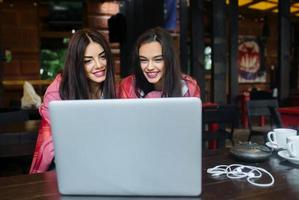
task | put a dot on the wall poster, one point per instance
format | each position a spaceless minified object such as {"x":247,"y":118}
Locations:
{"x":249,"y":61}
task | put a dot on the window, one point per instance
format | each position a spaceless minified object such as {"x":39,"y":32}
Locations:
{"x":208,"y":58}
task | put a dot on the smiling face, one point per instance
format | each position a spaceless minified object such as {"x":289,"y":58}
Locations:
{"x":152,"y":63}
{"x":95,"y":63}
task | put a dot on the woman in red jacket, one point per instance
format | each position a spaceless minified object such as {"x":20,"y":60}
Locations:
{"x":157,"y":70}
{"x":88,"y":74}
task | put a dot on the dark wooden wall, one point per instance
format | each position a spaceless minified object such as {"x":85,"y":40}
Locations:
{"x":19,"y":34}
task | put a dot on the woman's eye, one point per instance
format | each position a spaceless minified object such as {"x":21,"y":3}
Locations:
{"x":103,"y":57}
{"x":143,"y":61}
{"x":159,"y":60}
{"x":87,"y":61}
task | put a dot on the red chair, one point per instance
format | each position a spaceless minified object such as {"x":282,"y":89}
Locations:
{"x":290,"y":116}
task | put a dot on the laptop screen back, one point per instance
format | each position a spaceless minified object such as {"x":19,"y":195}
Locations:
{"x":128,"y":146}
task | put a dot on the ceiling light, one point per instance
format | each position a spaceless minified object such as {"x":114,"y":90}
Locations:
{"x":296,"y":5}
{"x":294,"y":9}
{"x":263,"y":5}
{"x":243,"y":2}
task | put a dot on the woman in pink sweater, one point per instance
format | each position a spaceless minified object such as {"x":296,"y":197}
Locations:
{"x":88,"y":74}
{"x":157,"y":70}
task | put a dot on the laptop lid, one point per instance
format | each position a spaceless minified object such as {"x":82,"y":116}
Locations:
{"x":128,"y":146}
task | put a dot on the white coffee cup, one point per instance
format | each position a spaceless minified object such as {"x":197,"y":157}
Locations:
{"x":278,"y":136}
{"x":293,"y":146}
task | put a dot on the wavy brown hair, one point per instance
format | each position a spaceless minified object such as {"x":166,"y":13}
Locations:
{"x":75,"y":84}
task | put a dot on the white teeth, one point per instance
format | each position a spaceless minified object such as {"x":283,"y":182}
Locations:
{"x":152,"y":74}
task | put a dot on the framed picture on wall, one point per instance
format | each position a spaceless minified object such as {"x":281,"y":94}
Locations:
{"x":249,"y":60}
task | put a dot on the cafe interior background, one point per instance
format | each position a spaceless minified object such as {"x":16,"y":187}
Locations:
{"x":230,"y":47}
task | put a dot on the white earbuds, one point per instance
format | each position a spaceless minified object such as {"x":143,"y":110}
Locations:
{"x":237,"y":171}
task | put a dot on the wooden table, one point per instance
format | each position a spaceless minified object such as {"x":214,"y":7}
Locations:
{"x":44,"y":186}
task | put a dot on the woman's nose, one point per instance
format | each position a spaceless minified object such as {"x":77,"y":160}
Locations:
{"x":150,"y":65}
{"x":98,"y":63}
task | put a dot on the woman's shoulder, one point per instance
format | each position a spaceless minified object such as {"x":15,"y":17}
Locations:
{"x":54,"y":86}
{"x":193,"y":88}
{"x":128,"y":79}
{"x":52,"y":91}
{"x":127,"y":82}
{"x":127,"y":87}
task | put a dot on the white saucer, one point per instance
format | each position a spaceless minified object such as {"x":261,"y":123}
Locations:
{"x":272,"y":146}
{"x":285,"y":154}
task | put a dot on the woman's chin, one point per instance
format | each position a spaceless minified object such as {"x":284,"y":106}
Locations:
{"x":153,"y":80}
{"x":99,"y":79}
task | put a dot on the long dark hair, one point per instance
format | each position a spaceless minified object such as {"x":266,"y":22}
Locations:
{"x":75,"y":83}
{"x":172,"y":76}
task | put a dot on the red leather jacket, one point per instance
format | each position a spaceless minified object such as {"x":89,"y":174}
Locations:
{"x":127,"y":88}
{"x":44,"y":148}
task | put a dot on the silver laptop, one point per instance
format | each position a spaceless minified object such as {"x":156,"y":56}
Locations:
{"x":128,"y":146}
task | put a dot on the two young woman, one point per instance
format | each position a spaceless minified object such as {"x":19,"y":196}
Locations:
{"x":88,"y":74}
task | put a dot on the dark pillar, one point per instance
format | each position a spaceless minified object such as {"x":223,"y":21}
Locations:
{"x":2,"y":60}
{"x":153,"y":13}
{"x":140,"y":15}
{"x":233,"y":51}
{"x":126,"y":46}
{"x":197,"y":44}
{"x":294,"y":71}
{"x":219,"y":50}
{"x":297,"y":66}
{"x":184,"y":36}
{"x":283,"y":49}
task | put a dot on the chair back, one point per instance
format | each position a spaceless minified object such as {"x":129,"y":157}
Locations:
{"x":275,"y":116}
{"x":220,"y":118}
{"x":13,"y":117}
{"x":15,"y":140}
{"x":259,"y":108}
{"x":220,"y":114}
